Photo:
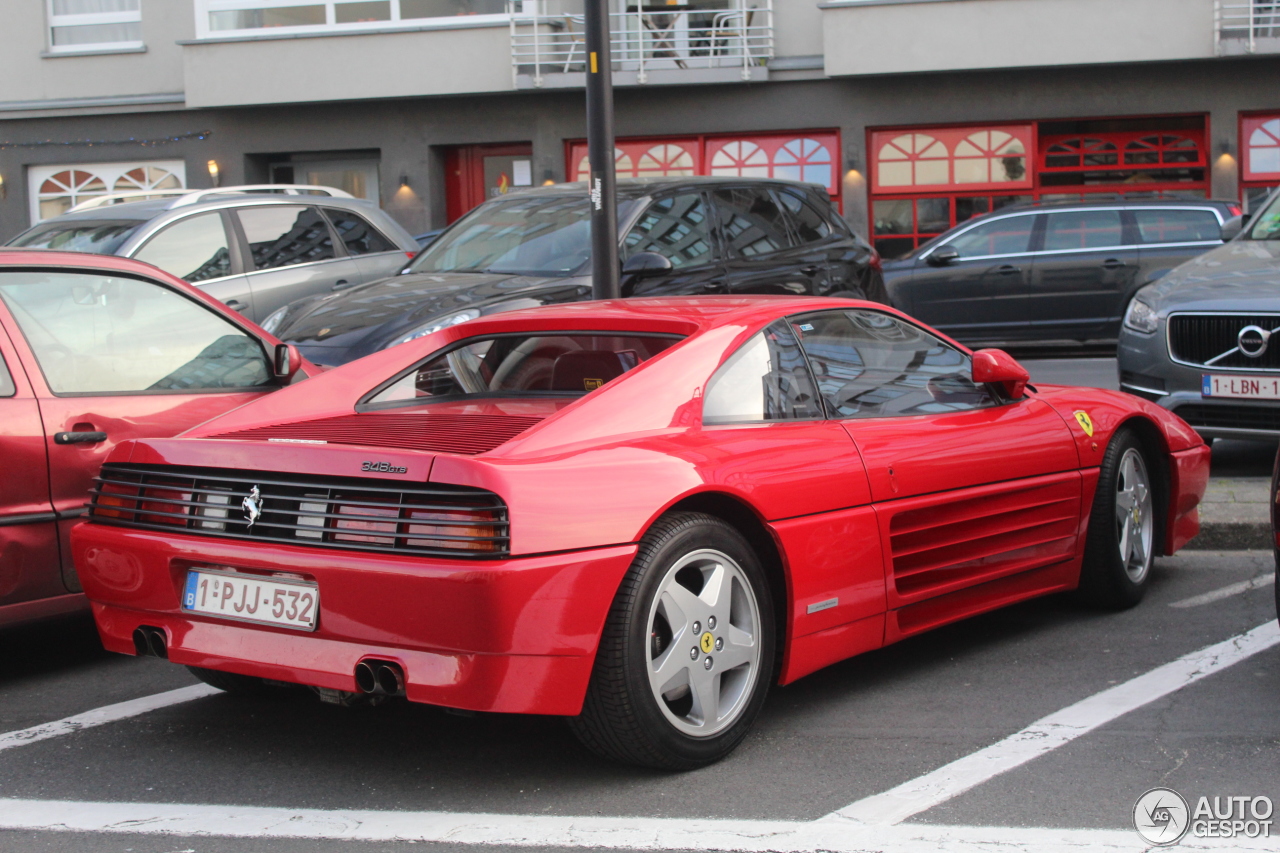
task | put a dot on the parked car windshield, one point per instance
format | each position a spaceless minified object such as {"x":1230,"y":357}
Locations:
{"x":536,"y":235}
{"x":548,"y":365}
{"x":100,"y":237}
{"x":1266,"y":225}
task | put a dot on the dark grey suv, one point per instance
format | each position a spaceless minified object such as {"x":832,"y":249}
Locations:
{"x":1053,"y":272}
{"x":256,"y":251}
{"x":1199,"y":341}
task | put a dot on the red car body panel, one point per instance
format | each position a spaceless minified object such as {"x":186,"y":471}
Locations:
{"x":37,"y":576}
{"x":881,"y":528}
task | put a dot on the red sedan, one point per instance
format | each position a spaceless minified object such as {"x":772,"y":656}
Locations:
{"x":97,"y":350}
{"x":636,"y":514}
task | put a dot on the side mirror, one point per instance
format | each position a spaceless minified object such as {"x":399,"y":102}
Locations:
{"x":286,"y":363}
{"x":645,"y":264}
{"x":1234,"y":226}
{"x":998,"y":367}
{"x":943,"y":256}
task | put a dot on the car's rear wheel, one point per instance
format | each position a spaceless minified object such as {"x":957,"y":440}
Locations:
{"x":687,"y":653}
{"x":1122,"y":527}
{"x":231,"y":682}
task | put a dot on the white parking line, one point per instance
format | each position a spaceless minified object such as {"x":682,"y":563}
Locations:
{"x":105,"y":714}
{"x":1226,"y":591}
{"x":750,"y":836}
{"x":1062,"y":727}
{"x":871,"y":824}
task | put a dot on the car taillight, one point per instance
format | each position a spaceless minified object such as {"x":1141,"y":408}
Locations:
{"x":114,"y":495}
{"x":1235,"y":210}
{"x":158,"y":505}
{"x":876,"y":262}
{"x":463,"y":530}
{"x":365,"y":524}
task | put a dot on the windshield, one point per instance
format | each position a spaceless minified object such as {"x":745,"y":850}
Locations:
{"x":546,"y":365}
{"x":534,"y":235}
{"x":100,"y":237}
{"x":1266,"y":225}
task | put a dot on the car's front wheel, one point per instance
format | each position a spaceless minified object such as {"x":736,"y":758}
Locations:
{"x":687,"y":653}
{"x":1122,"y":527}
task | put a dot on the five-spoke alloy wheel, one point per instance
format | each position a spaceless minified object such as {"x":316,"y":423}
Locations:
{"x":687,"y":654}
{"x":1123,"y":527}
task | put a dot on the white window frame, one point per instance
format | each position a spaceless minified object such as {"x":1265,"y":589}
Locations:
{"x":108,"y":173}
{"x":58,"y":21}
{"x":204,"y":7}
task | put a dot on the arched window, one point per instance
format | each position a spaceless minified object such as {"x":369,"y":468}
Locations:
{"x":623,"y":165}
{"x":990,"y":157}
{"x":1264,"y":148}
{"x":1080,"y":152}
{"x":804,"y":160}
{"x":665,"y":160}
{"x":64,"y":190}
{"x":913,"y":159}
{"x":741,"y":159}
{"x":147,"y":178}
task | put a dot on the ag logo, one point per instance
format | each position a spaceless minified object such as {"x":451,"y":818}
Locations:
{"x":708,"y":643}
{"x":252,"y":506}
{"x":1086,"y":424}
{"x":592,"y":384}
{"x":1161,"y":816}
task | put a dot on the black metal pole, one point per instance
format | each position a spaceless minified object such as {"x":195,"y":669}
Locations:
{"x":602,"y":187}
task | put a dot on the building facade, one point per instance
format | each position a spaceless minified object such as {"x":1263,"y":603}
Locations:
{"x":914,"y":114}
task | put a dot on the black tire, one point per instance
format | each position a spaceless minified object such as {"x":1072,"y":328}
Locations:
{"x":622,"y":718}
{"x":1108,"y":580}
{"x":231,"y":682}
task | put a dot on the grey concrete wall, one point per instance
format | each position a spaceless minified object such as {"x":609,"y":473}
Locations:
{"x":409,"y":134}
{"x":894,"y":36}
{"x":29,"y":73}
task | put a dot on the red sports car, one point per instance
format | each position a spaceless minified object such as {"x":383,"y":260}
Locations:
{"x":95,"y":350}
{"x":637,"y":514}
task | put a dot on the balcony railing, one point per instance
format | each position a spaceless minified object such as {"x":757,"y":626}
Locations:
{"x":1243,"y":28}
{"x":716,"y":40}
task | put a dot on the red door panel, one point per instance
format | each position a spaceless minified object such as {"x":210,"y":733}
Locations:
{"x":28,"y":540}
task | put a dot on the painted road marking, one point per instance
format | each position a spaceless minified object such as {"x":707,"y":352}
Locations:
{"x":750,"y":836}
{"x":1047,"y":734}
{"x":105,"y":714}
{"x":874,"y":823}
{"x":1226,"y":591}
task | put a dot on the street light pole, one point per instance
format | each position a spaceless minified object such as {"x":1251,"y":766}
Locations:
{"x":602,"y":186}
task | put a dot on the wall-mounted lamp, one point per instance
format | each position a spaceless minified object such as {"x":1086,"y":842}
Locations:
{"x":214,"y":173}
{"x":4,"y":190}
{"x":404,"y":182}
{"x":548,"y":177}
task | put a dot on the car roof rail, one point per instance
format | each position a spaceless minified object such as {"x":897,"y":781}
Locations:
{"x":261,"y":189}
{"x":124,"y":198}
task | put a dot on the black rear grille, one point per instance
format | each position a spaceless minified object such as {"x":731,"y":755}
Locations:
{"x":1196,"y":338}
{"x":352,"y":513}
{"x":1231,"y":416}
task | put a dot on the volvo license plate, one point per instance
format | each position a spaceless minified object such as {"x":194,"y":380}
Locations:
{"x":252,"y":598}
{"x":1243,"y":387}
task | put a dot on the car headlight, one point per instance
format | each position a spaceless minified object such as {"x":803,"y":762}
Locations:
{"x":274,"y":319}
{"x":435,"y":326}
{"x":1141,"y":317}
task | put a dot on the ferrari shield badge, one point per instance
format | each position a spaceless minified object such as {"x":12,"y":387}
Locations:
{"x":1086,"y":424}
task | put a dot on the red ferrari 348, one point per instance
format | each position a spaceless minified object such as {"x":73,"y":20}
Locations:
{"x":636,"y":514}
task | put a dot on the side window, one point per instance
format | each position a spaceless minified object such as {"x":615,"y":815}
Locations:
{"x":98,"y":334}
{"x":753,"y":222}
{"x":1177,"y":226}
{"x":807,"y":224}
{"x":194,"y":249}
{"x":7,"y":388}
{"x":765,"y":380}
{"x":357,"y":234}
{"x":1083,"y":229}
{"x":282,"y":235}
{"x":675,"y":228}
{"x":871,"y":365}
{"x":1009,"y":236}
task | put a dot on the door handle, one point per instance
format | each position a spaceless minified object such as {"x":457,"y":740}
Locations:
{"x":1113,"y":264}
{"x":79,"y":437}
{"x":715,"y":287}
{"x":809,"y":269}
{"x":236,"y":305}
{"x":1008,"y":269}
{"x":341,"y":283}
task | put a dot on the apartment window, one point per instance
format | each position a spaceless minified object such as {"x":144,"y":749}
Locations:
{"x":85,"y":25}
{"x":217,"y":18}
{"x":54,"y":190}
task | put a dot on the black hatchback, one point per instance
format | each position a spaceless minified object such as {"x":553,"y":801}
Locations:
{"x":1052,"y":272}
{"x":690,"y":236}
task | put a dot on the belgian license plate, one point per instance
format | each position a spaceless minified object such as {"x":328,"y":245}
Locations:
{"x":251,"y":598}
{"x":1245,"y":387}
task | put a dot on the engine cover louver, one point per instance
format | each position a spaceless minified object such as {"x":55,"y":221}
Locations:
{"x":463,"y":434}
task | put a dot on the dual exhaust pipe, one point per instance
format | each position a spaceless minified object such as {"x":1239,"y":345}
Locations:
{"x":380,"y":678}
{"x":150,"y":640}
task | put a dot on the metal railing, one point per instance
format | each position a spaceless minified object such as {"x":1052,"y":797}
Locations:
{"x":643,"y":38}
{"x":1241,"y":25}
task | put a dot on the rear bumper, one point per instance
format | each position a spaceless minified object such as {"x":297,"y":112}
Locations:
{"x":513,"y":636}
{"x":1189,"y":476}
